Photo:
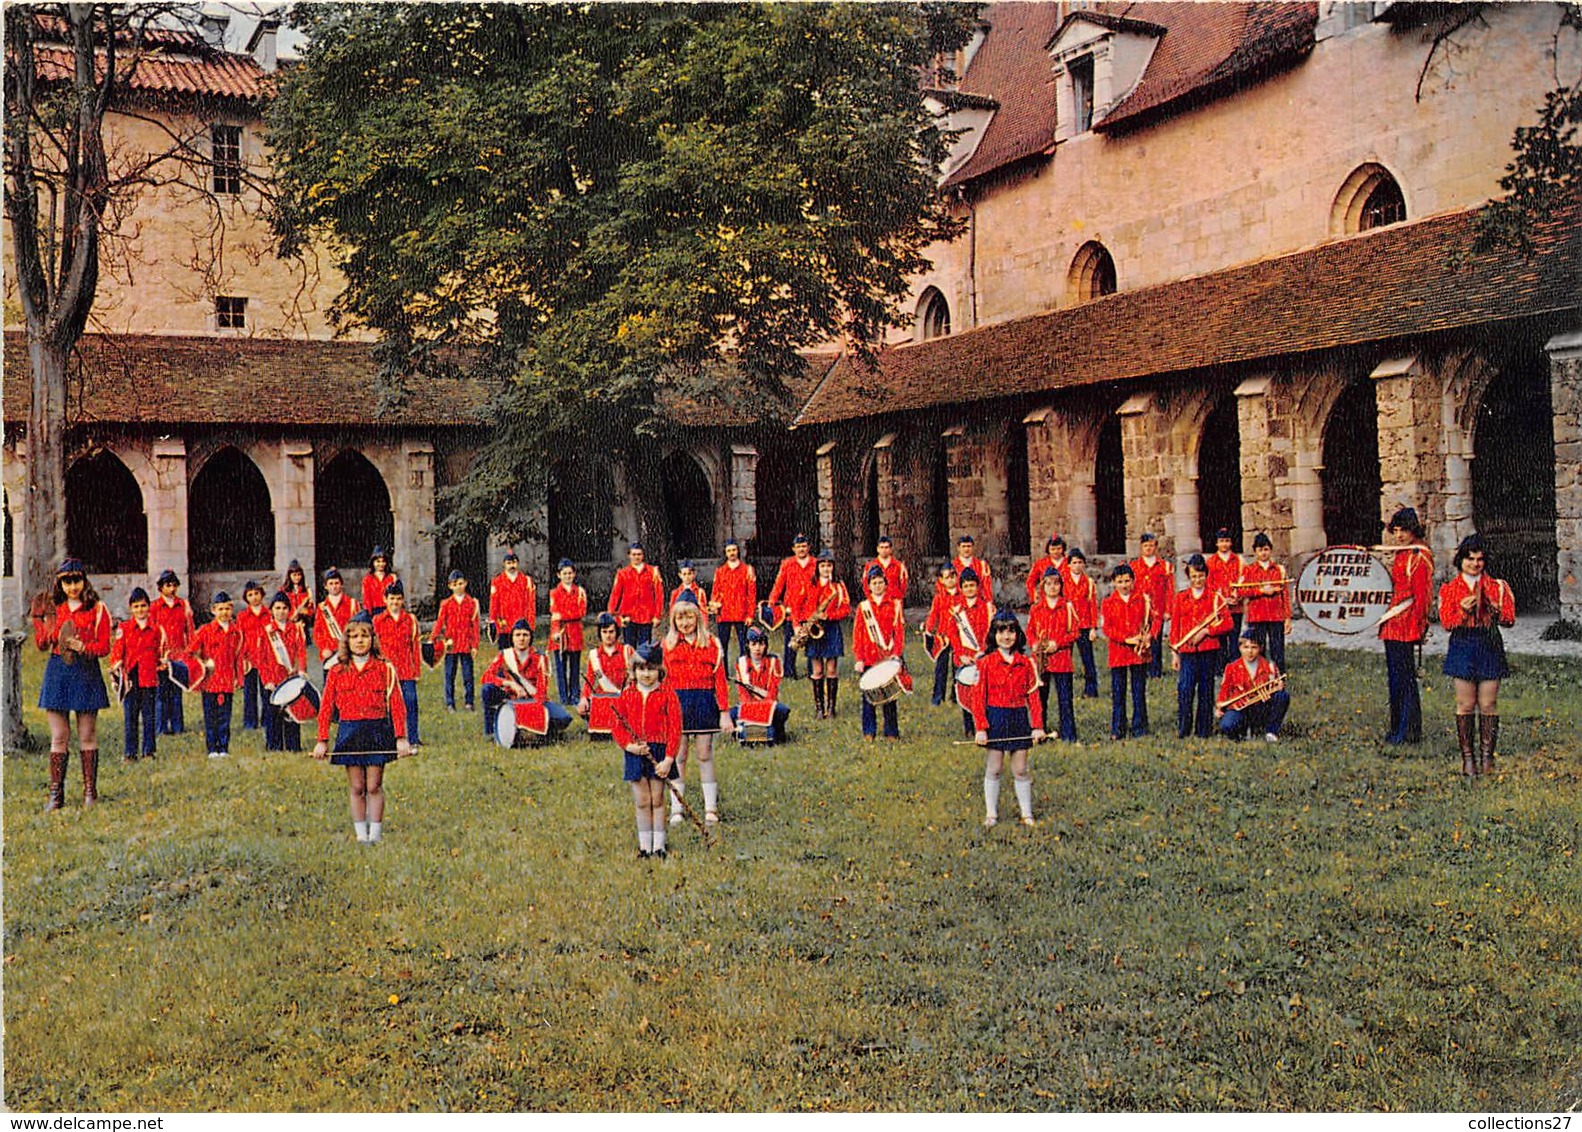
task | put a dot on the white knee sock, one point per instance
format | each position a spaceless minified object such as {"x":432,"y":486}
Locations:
{"x":362,"y":830}
{"x":991,"y":796}
{"x":659,"y":839}
{"x":375,"y":830}
{"x":645,"y":839}
{"x":1024,"y":795}
{"x":676,"y":790}
{"x":711,"y":796}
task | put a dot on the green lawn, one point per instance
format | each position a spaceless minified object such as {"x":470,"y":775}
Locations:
{"x":1326,"y":924}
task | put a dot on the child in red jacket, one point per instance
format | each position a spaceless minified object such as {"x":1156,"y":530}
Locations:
{"x":219,"y":645}
{"x":137,"y":657}
{"x":648,"y":728}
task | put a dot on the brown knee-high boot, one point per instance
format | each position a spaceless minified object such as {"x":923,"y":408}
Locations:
{"x":1488,"y":734}
{"x":90,"y":775}
{"x":57,"y":780}
{"x":831,"y":694}
{"x":818,"y":695}
{"x":1466,"y":732}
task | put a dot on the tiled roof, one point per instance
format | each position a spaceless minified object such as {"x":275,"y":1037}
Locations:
{"x":173,"y":62}
{"x":1012,"y":68}
{"x":1211,"y":46}
{"x":154,"y":379}
{"x":1404,"y":280}
{"x":1205,"y":48}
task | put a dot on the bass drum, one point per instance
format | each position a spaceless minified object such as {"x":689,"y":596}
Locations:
{"x":521,"y":723}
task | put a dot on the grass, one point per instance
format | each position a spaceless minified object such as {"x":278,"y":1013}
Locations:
{"x":1326,"y":924}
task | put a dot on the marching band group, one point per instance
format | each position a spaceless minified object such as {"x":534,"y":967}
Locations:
{"x":658,"y":677}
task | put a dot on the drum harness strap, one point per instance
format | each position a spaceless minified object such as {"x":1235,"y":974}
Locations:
{"x":872,"y":622}
{"x":509,"y":656}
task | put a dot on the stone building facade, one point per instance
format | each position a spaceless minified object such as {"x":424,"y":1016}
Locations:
{"x":1220,"y":269}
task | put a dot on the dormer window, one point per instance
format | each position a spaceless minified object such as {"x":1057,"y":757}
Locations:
{"x":1097,"y":60}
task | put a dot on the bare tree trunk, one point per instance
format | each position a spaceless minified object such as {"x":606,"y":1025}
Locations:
{"x":46,"y":467}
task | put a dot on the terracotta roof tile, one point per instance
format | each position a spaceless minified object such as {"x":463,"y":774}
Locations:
{"x":1406,"y":280}
{"x":187,"y":70}
{"x":154,"y":379}
{"x":1205,"y":49}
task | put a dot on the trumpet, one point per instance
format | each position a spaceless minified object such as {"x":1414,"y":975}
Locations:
{"x":1257,"y":694}
{"x":714,"y":608}
{"x":1258,"y":586}
{"x":1198,"y":632}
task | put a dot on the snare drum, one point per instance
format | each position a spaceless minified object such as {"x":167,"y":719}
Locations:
{"x":297,"y":698}
{"x":521,"y":723}
{"x":881,"y":683}
{"x":966,"y":685}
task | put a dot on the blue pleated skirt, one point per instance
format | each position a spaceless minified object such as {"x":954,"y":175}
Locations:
{"x":1472,"y":655}
{"x":364,"y":742}
{"x":700,"y":711}
{"x":831,"y":645}
{"x":73,"y":687}
{"x":1009,"y":728}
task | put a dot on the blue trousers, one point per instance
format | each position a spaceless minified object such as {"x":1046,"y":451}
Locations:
{"x":1156,"y":662}
{"x":1265,"y":717}
{"x":167,"y":707}
{"x":1138,"y":675}
{"x":1062,"y":682}
{"x":252,"y":689}
{"x":723,"y":630}
{"x":1090,"y":674}
{"x":790,"y":654}
{"x":870,"y":720}
{"x":635,"y":634}
{"x":941,"y":677}
{"x":281,"y":732}
{"x":409,"y":697}
{"x":217,"y":720}
{"x":1271,"y":640}
{"x":1406,"y":704}
{"x":452,"y":660}
{"x":139,"y":709}
{"x":1195,"y":687}
{"x":567,"y":667}
{"x":778,"y":727}
{"x":1228,"y":651}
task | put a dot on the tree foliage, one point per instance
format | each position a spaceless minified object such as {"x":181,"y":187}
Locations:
{"x":604,"y":201}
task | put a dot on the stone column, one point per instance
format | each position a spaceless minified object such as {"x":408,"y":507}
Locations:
{"x":1044,"y":474}
{"x":1412,"y":455}
{"x":964,"y":472}
{"x":412,"y":500}
{"x":166,"y":508}
{"x":1147,"y":502}
{"x":1306,"y":492}
{"x":1565,"y":391}
{"x":294,"y":509}
{"x":825,"y":472}
{"x":744,"y":494}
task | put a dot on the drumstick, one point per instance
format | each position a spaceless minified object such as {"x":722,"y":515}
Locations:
{"x":1007,"y":739}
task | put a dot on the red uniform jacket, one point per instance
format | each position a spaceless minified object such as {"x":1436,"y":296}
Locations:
{"x":511,"y":601}
{"x":374,"y":589}
{"x":399,"y":643}
{"x":1188,"y":612}
{"x":651,"y":718}
{"x":979,"y":567}
{"x":276,"y":639}
{"x":838,"y":609}
{"x":1222,"y":572}
{"x":222,"y":646}
{"x":459,"y":624}
{"x":690,"y":667}
{"x":895,"y":576}
{"x":1239,"y":678}
{"x":1084,"y":594}
{"x":978,"y":615}
{"x":1006,"y":684}
{"x":567,"y":608}
{"x":1058,"y":624}
{"x":1498,"y":598}
{"x":615,"y":666}
{"x":638,"y":594}
{"x":300,"y":600}
{"x":765,"y":676}
{"x":795,"y":576}
{"x":1035,"y":577}
{"x":1158,"y":582}
{"x":886,"y":617}
{"x":736,"y":589}
{"x":137,"y":651}
{"x":175,"y":617}
{"x":1413,"y":574}
{"x":524,"y":668}
{"x":369,"y":692}
{"x":939,"y":612}
{"x":1125,"y":618}
{"x":330,"y":626}
{"x":252,"y":626}
{"x":1261,"y":606}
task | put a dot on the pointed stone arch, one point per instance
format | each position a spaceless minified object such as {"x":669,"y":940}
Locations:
{"x":230,"y":515}
{"x":351,"y":512}
{"x":106,"y":523}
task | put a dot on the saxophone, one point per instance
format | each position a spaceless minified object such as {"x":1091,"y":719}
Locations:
{"x":813,"y":628}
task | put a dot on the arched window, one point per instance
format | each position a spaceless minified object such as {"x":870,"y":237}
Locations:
{"x":933,"y":315}
{"x":1219,"y":474}
{"x":351,"y":513}
{"x":1351,"y":481}
{"x":230,"y":520}
{"x":581,"y":508}
{"x":105,"y":523}
{"x":1092,"y":274}
{"x":1370,"y":198}
{"x":689,"y":505}
{"x":1109,"y":489}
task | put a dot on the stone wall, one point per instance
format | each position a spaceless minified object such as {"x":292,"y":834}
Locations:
{"x":1565,"y":387}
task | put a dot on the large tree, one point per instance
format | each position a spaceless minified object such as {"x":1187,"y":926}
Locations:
{"x":608,"y":205}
